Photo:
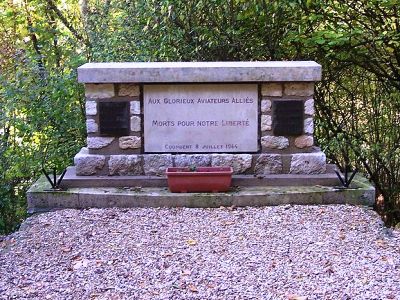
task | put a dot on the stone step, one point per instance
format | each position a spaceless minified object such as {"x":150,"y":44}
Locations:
{"x":71,"y":180}
{"x":41,"y":198}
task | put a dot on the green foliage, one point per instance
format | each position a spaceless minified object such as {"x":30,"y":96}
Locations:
{"x":43,"y":42}
{"x":190,"y":30}
{"x":41,"y":120}
{"x":359,"y":124}
{"x":358,"y":101}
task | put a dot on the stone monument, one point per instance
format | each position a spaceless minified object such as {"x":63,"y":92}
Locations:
{"x":254,"y":116}
{"x":141,"y":118}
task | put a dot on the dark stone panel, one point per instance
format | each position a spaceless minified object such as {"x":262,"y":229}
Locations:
{"x":114,"y":118}
{"x":287,"y":118}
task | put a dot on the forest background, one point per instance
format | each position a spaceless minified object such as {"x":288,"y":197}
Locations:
{"x":44,"y":41}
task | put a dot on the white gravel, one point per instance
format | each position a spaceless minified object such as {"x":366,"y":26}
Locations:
{"x":284,"y":252}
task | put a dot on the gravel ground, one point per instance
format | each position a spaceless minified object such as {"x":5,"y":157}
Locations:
{"x":283,"y":252}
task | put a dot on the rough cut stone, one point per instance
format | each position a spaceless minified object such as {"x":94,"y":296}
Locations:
{"x":304,"y":141}
{"x":268,"y":164}
{"x":274,"y":142}
{"x":156,"y":164}
{"x":99,"y":142}
{"x":299,"y":89}
{"x":91,"y":108}
{"x":88,"y":164}
{"x":103,"y":90}
{"x":135,"y":107}
{"x":239,"y":162}
{"x":271,"y":89}
{"x":309,"y":107}
{"x":136,"y":123}
{"x":266,"y":106}
{"x":130,"y":142}
{"x":91,"y":126}
{"x":309,"y":126}
{"x":125,"y":165}
{"x":266,"y":122}
{"x":129,"y":90}
{"x":197,"y":160}
{"x":308,"y":163}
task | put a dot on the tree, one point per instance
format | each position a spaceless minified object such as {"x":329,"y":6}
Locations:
{"x":41,"y":117}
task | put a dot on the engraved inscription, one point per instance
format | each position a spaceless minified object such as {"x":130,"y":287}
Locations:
{"x":200,"y":118}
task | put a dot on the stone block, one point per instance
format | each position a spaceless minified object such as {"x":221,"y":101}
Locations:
{"x":136,"y":123}
{"x":91,"y":108}
{"x":271,"y":89}
{"x":156,"y":164}
{"x":304,"y":141}
{"x":130,"y":142}
{"x":129,"y":90}
{"x":266,"y":122}
{"x":239,"y":162}
{"x":308,"y":163}
{"x":266,"y":105}
{"x":227,"y":71}
{"x":102,"y":90}
{"x":299,"y":89}
{"x":135,"y":107}
{"x":309,"y":107}
{"x":188,"y":160}
{"x":269,"y":164}
{"x":99,"y":142}
{"x":274,"y":142}
{"x":309,"y":126}
{"x":88,"y":164}
{"x":218,"y":127}
{"x":125,"y":165}
{"x":91,"y":126}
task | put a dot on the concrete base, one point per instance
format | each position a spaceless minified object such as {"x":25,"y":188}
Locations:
{"x":40,"y":199}
{"x":71,"y":180}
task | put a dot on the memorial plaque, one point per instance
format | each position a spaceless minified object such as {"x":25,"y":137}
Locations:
{"x":114,"y":118}
{"x":201,"y":118}
{"x":288,"y":118}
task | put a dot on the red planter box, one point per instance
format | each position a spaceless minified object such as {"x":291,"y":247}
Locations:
{"x":204,"y":179}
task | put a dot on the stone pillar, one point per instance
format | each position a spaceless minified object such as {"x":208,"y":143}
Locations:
{"x":103,"y":143}
{"x":297,"y":150}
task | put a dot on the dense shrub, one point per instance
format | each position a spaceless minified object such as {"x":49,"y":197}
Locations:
{"x":41,"y":120}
